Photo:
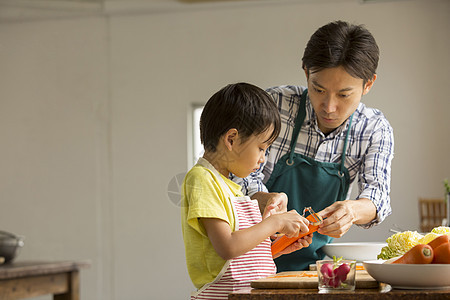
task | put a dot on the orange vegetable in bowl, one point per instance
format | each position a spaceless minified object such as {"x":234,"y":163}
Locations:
{"x":442,"y":254}
{"x":419,"y":254}
{"x":439,"y":241}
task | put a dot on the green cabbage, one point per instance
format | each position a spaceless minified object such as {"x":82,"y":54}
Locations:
{"x":428,"y":237}
{"x":441,"y":230}
{"x":400,"y":242}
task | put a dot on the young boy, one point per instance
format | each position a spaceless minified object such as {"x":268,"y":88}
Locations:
{"x":227,"y":242}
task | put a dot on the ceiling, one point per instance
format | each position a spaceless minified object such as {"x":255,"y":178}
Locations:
{"x":16,"y":10}
{"x":19,"y":10}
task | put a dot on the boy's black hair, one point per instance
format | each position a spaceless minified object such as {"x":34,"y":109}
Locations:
{"x":342,"y":44}
{"x":243,"y":106}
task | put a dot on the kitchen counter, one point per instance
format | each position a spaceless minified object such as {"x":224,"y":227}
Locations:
{"x":19,"y":280}
{"x":384,"y":292}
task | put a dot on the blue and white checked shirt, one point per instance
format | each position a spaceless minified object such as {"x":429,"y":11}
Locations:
{"x":369,"y":152}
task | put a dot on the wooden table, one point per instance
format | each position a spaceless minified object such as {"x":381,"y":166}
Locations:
{"x":385,"y":292}
{"x":19,"y":280}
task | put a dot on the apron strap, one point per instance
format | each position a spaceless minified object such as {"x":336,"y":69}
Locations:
{"x":301,"y":114}
{"x":222,"y":183}
{"x":345,"y":145}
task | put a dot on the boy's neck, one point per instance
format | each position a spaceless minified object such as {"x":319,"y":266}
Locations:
{"x":217,"y":159}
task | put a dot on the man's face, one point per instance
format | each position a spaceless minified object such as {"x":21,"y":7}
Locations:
{"x":335,"y":95}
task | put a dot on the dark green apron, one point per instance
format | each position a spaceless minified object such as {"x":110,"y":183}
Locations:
{"x":307,"y":182}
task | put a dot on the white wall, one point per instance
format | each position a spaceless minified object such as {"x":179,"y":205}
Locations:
{"x":94,"y":114}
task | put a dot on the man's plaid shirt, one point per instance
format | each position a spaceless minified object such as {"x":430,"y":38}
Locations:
{"x":369,"y":152}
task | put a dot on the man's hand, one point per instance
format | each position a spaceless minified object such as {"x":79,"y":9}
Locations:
{"x":341,"y":215}
{"x":271,"y":203}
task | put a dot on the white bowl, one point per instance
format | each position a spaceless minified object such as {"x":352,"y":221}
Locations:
{"x":358,"y":251}
{"x":409,"y":276}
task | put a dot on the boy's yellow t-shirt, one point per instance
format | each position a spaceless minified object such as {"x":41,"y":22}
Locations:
{"x":203,"y":197}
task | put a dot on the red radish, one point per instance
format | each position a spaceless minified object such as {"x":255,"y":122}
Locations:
{"x":334,"y":282}
{"x":342,"y":271}
{"x":327,"y":270}
{"x":334,"y":274}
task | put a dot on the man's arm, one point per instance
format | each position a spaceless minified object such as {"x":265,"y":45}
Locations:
{"x":375,"y":172}
{"x":373,"y":203}
{"x":271,"y":203}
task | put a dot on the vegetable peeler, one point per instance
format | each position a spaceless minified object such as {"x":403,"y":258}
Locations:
{"x":314,"y":219}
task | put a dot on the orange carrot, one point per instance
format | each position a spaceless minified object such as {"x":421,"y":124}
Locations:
{"x":439,"y":241}
{"x":419,"y":254}
{"x":442,"y":254}
{"x":284,"y":241}
{"x":303,"y":274}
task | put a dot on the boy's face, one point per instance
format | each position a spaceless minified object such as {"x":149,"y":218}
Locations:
{"x":248,"y":156}
{"x":335,"y":95}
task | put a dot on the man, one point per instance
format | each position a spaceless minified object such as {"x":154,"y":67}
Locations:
{"x":328,"y":139}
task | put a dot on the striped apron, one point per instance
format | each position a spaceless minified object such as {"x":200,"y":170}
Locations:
{"x":237,"y":273}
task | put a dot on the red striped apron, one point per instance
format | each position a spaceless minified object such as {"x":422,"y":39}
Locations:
{"x":237,"y":273}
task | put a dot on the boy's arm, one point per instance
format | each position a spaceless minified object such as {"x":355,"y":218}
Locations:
{"x":230,"y":244}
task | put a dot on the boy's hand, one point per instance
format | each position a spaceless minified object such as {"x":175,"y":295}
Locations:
{"x":291,"y":223}
{"x":301,"y":243}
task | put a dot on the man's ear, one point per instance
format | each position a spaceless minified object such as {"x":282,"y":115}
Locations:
{"x":306,"y":73}
{"x":369,"y":84}
{"x":230,"y":138}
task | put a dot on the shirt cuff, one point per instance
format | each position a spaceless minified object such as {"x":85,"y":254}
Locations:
{"x":260,"y":187}
{"x":383,"y":209}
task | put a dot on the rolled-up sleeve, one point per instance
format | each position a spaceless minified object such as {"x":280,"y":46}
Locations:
{"x":375,"y":171}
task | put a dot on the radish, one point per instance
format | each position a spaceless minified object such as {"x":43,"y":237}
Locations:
{"x":335,"y":274}
{"x":342,"y":271}
{"x":327,"y":270}
{"x":335,"y":282}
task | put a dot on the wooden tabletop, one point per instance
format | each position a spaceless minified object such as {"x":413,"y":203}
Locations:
{"x":27,"y":279}
{"x":385,"y":292}
{"x":33,"y":268}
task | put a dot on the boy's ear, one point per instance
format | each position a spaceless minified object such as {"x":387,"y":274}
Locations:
{"x":230,"y":138}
